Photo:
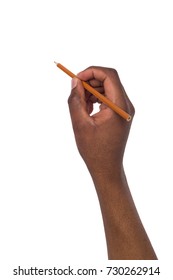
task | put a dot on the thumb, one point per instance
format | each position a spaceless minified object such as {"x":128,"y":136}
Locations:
{"x":77,"y":104}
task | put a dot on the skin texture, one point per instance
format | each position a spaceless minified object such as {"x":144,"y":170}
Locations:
{"x":101,"y":141}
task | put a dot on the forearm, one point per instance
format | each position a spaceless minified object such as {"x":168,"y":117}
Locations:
{"x":125,"y":235}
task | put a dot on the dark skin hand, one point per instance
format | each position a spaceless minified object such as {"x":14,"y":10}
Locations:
{"x":101,"y":141}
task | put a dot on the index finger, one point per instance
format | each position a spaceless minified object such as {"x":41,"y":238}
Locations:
{"x":93,"y":73}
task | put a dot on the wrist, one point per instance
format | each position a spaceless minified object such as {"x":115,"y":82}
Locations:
{"x":109,"y":180}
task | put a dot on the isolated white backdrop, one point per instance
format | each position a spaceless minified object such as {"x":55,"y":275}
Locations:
{"x":48,"y":205}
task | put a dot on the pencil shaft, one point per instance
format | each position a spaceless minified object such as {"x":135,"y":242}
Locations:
{"x":68,"y":72}
{"x":98,"y":95}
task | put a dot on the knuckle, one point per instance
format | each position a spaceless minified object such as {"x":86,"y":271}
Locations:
{"x":113,"y":71}
{"x":131,"y":109}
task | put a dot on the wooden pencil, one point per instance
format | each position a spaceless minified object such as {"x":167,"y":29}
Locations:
{"x":98,"y":95}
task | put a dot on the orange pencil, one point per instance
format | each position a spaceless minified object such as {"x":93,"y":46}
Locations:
{"x":97,"y":94}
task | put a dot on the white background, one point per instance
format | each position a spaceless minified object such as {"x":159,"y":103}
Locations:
{"x":49,"y":212}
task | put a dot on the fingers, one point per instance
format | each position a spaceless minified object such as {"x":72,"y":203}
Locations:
{"x":95,"y":83}
{"x":108,"y":82}
{"x":77,"y":105}
{"x":105,"y":76}
{"x":93,"y":73}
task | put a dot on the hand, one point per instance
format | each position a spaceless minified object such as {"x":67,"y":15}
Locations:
{"x":100,"y":138}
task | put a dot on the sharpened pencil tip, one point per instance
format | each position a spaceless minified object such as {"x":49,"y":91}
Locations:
{"x":55,"y":62}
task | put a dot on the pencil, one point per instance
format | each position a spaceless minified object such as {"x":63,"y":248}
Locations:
{"x":98,"y":95}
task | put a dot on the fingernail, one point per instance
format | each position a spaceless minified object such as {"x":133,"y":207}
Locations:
{"x":74,"y":83}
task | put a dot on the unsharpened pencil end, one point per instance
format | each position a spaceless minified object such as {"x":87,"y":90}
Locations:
{"x":129,"y":118}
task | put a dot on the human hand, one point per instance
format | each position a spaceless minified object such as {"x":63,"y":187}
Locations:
{"x":101,"y":138}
